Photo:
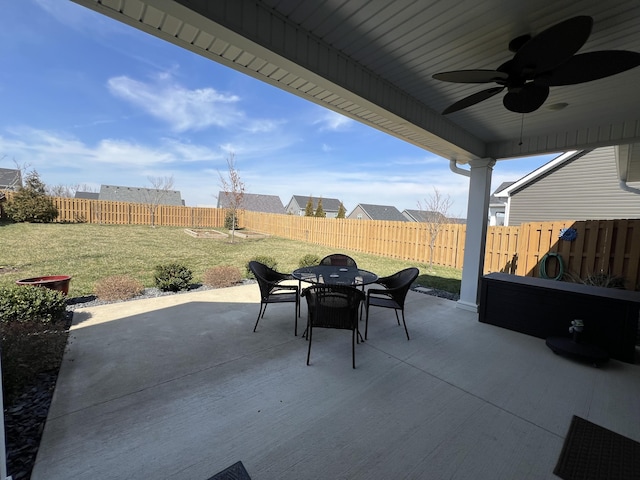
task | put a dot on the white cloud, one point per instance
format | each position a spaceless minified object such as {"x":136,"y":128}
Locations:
{"x":43,"y":147}
{"x":263,"y":126}
{"x":179,"y":107}
{"x":329,"y":120}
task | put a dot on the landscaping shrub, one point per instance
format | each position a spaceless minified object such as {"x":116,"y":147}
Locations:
{"x":309,"y":260}
{"x":31,"y":202}
{"x":264,"y":259}
{"x":118,"y":287}
{"x":30,"y":304}
{"x":222,"y":276}
{"x":228,"y":221}
{"x":606,"y":280}
{"x":31,"y":343}
{"x":172,"y":277}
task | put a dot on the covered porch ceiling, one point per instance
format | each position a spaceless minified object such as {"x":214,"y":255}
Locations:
{"x":373,"y":61}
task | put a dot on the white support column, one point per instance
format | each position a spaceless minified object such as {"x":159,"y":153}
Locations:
{"x":476,"y":238}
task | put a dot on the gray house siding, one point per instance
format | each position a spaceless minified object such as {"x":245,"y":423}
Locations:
{"x":358,"y":214}
{"x":585,"y":187}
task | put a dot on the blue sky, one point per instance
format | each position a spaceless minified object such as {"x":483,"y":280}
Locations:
{"x":88,"y":100}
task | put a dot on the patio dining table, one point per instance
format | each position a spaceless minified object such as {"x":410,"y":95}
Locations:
{"x":334,"y":275}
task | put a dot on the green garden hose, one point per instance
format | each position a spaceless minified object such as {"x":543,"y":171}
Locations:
{"x":543,"y":266}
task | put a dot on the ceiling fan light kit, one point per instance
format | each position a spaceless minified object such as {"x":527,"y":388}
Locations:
{"x":548,"y":59}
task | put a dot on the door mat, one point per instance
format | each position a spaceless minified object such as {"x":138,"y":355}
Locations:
{"x":594,"y":452}
{"x":234,"y":472}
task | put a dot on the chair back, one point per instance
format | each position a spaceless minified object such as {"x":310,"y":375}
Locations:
{"x":338,"y":260}
{"x":266,"y":277}
{"x":333,"y":306}
{"x":399,"y":283}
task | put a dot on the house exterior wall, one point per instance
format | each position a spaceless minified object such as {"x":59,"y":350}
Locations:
{"x":298,"y":205}
{"x":496,"y":215}
{"x":584,"y":188}
{"x":10,"y":179}
{"x":293,"y":208}
{"x":358,"y":214}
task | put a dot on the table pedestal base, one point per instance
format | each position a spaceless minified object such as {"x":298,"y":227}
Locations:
{"x":581,"y":351}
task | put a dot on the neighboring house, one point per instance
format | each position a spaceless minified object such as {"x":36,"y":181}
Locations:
{"x":580,"y":185}
{"x":115,"y":193}
{"x":366,"y":211}
{"x":254,"y":202}
{"x":10,"y":179}
{"x":88,"y":195}
{"x":423,"y":216}
{"x":498,"y":206}
{"x":414,"y":215}
{"x":298,"y":204}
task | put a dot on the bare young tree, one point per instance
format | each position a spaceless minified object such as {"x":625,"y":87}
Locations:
{"x":154,"y":196}
{"x":69,"y":191}
{"x":232,"y":188}
{"x":436,"y":215}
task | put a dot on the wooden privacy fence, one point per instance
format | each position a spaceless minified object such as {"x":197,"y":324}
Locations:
{"x":609,"y":247}
{"x":124,"y":213}
{"x":601,"y":246}
{"x":402,"y":240}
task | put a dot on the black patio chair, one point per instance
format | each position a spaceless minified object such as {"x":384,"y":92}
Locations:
{"x":339,"y":260}
{"x":273,"y":291}
{"x":333,"y":306}
{"x":392,"y":296}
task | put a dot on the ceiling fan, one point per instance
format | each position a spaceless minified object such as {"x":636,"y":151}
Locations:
{"x":546,"y":60}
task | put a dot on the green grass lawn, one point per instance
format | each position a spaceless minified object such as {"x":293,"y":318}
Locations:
{"x":89,"y":252}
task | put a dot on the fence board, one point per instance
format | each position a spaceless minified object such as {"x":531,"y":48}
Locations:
{"x":632,"y":252}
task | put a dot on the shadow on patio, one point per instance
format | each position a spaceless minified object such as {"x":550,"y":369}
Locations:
{"x":180,"y":387}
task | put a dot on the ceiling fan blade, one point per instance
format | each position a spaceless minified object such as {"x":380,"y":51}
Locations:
{"x":473,"y":99}
{"x":526,"y":99}
{"x":471,"y":76}
{"x":552,"y":47}
{"x":587,"y":67}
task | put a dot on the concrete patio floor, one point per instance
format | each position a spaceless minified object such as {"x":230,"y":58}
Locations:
{"x":180,"y":387}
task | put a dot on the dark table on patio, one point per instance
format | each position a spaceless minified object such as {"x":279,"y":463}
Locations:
{"x":334,"y":275}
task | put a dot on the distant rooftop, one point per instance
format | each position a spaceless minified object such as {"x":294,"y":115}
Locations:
{"x":379,"y":212}
{"x":254,"y":202}
{"x":88,"y":195}
{"x":328,"y":204}
{"x":116,"y":193}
